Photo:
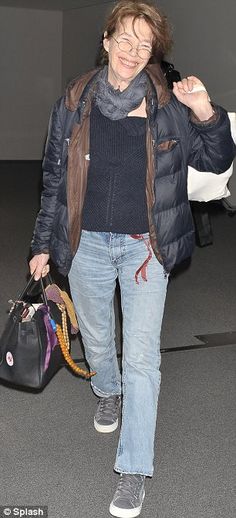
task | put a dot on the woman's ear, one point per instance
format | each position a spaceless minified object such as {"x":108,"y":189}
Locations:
{"x":105,"y":41}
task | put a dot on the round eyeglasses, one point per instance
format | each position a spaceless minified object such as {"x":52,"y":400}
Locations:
{"x":126,"y":46}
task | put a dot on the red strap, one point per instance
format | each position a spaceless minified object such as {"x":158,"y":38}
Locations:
{"x":143,"y":268}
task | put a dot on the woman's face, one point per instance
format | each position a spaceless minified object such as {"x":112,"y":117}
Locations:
{"x":123,"y":66}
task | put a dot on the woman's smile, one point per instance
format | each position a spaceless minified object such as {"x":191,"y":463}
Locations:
{"x":128,"y":63}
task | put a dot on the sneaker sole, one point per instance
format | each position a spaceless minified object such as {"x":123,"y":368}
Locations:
{"x":125,"y":513}
{"x":102,"y":428}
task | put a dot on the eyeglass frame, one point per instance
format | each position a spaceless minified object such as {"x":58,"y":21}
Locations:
{"x":131,"y":48}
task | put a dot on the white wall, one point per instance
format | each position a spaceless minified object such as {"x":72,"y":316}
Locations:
{"x":30,"y":64}
{"x":205,"y":44}
{"x":82,"y":30}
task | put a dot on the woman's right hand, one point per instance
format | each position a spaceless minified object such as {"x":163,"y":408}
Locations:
{"x":38,"y":265}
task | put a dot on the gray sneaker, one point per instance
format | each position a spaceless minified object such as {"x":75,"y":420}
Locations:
{"x":106,"y":416}
{"x":129,"y":496}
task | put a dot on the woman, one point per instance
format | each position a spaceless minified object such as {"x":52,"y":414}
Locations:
{"x":115,"y":206}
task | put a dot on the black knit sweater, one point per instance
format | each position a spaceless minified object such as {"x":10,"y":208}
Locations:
{"x":115,"y":199}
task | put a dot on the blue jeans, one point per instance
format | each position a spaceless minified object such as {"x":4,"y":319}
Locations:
{"x":102,"y":257}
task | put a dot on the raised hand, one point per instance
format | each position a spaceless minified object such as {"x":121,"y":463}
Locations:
{"x":192,"y":92}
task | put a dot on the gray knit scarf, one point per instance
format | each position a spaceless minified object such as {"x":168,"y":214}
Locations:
{"x":115,"y":104}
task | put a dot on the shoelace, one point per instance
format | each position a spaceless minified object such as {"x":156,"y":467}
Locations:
{"x":129,"y":486}
{"x":108,"y":406}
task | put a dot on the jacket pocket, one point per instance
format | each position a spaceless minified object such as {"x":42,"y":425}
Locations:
{"x":166,"y":146}
{"x":168,"y":158}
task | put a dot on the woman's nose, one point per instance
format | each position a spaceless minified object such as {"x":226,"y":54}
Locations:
{"x":134,"y":51}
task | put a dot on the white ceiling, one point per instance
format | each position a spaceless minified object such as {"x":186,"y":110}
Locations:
{"x":51,"y":5}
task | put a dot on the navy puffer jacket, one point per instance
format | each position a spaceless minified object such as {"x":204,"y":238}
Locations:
{"x":174,"y":141}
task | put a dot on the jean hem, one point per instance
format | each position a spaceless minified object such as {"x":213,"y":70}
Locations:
{"x":100,"y":393}
{"x":133,"y":472}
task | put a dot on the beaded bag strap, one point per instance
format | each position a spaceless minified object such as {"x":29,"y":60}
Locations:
{"x":63,"y":340}
{"x":65,"y":305}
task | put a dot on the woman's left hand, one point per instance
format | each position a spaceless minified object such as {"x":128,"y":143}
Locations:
{"x":192,"y":92}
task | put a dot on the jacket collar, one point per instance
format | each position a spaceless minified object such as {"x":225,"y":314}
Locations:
{"x":79,"y":89}
{"x":158,"y":85}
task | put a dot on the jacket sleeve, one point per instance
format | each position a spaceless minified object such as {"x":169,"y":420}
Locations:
{"x":52,"y":171}
{"x":211,"y":145}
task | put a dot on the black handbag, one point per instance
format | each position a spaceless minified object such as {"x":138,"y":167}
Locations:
{"x":35,"y":341}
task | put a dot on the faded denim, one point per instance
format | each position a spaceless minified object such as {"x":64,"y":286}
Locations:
{"x":102,"y":257}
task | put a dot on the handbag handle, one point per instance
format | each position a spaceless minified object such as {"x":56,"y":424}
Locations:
{"x":30,"y":282}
